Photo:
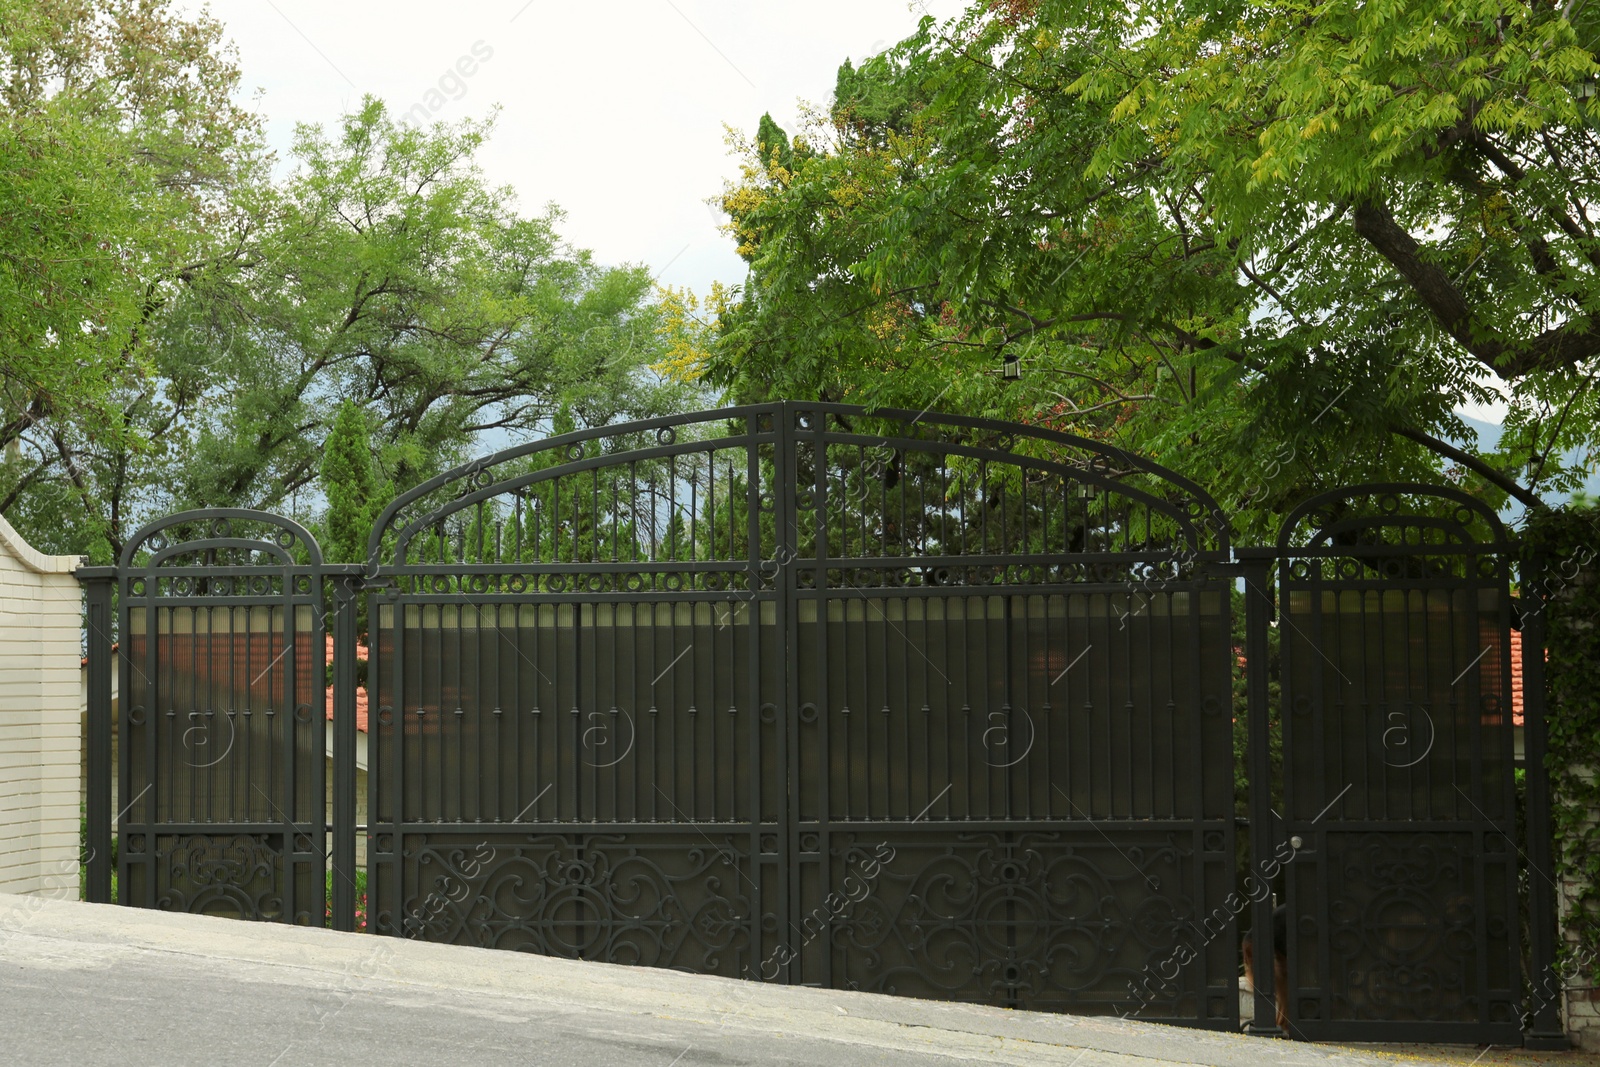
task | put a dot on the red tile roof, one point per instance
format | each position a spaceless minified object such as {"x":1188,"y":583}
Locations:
{"x":361,"y":690}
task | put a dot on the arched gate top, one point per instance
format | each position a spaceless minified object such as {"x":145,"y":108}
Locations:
{"x":774,"y":449}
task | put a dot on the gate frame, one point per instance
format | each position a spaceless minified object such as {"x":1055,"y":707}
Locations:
{"x":1541,"y":1024}
{"x":345,"y":584}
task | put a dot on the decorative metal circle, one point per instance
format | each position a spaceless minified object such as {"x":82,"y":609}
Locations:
{"x":221,"y":527}
{"x":666,"y":435}
{"x":556,"y":583}
{"x":808,"y":713}
{"x":805,"y":498}
{"x":183,"y":586}
{"x":136,"y":844}
{"x":386,"y":716}
{"x":136,"y":587}
{"x":1213,"y":841}
{"x":1388,"y":503}
{"x":157,"y":542}
{"x":517,"y":583}
{"x":769,"y":843}
{"x":1300,"y":569}
{"x":303,"y":583}
{"x":1393,"y":568}
{"x":302,"y":843}
{"x":575,"y":450}
{"x":764,"y":422}
{"x":765,"y":501}
{"x":478,"y":583}
{"x":285,"y":538}
{"x":1488,"y":567}
{"x":482,"y":479}
{"x":439,"y":583}
{"x":804,"y":420}
{"x":715,"y":580}
{"x":222,"y":586}
{"x":1302,"y":705}
{"x":259,"y":584}
{"x":595,"y":583}
{"x":302,"y":713}
{"x":769,"y":713}
{"x":1348,"y":568}
{"x":136,"y":715}
{"x":1009,"y":872}
{"x":673,"y":581}
{"x":809,"y":842}
{"x":1211,"y":706}
{"x":383,"y":843}
{"x":769,"y":921}
{"x":634,"y":582}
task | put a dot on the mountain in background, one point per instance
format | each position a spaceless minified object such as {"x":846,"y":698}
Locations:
{"x":1489,"y":439}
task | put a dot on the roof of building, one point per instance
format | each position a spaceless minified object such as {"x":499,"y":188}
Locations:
{"x":361,"y":690}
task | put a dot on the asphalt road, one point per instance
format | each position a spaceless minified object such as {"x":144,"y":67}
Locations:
{"x":85,"y":984}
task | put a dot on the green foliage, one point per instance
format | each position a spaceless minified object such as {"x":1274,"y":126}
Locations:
{"x":383,"y":271}
{"x":118,"y":137}
{"x":1256,"y":233}
{"x":1564,"y":543}
{"x":351,"y":487}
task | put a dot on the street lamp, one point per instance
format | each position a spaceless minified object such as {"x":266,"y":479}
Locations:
{"x":1011,"y":368}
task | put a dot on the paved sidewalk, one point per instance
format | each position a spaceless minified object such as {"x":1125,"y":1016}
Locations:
{"x":86,"y":984}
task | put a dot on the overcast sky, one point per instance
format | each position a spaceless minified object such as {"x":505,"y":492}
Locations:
{"x":614,"y":111}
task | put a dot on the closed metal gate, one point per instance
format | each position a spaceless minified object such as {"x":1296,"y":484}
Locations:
{"x":898,"y":702}
{"x":770,"y":695}
{"x":221,"y":740}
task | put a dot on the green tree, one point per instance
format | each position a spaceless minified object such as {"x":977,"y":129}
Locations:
{"x":386,"y":271}
{"x":118,"y":134}
{"x":1272,"y":247}
{"x":350,"y":485}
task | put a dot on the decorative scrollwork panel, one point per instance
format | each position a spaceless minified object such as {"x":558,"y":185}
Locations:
{"x":678,"y":900}
{"x":1122,"y":921}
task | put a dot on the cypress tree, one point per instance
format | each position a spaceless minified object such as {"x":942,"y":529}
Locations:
{"x":350,"y":484}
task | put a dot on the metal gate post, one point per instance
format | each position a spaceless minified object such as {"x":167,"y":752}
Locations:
{"x":97,"y":584}
{"x":1546,"y":1033}
{"x":1258,"y":670}
{"x":346,"y":579}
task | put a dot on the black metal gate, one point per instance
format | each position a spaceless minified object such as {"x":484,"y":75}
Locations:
{"x":221,"y":738}
{"x":900,"y":702}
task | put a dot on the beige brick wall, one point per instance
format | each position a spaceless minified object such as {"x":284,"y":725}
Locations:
{"x":40,"y":619}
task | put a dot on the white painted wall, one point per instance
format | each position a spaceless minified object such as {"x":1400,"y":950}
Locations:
{"x":40,"y":620}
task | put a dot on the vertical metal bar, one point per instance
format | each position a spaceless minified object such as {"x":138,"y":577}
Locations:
{"x":1258,"y":615}
{"x":1546,"y":1033}
{"x":97,"y":586}
{"x":344,"y":749}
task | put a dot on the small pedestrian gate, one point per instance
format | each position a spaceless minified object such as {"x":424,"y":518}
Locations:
{"x":897,"y":702}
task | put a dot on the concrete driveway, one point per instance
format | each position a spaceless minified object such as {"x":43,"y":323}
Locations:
{"x":85,"y":984}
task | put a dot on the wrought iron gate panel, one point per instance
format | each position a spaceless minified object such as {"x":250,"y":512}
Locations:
{"x":1012,"y":694}
{"x":578,"y":673}
{"x":1398,"y":761}
{"x":904,"y":702}
{"x":221,"y":736}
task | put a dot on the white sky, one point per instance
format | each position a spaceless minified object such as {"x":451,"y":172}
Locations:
{"x":613,"y":111}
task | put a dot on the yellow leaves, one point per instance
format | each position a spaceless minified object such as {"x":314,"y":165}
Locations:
{"x":1326,"y":122}
{"x":689,"y":336}
{"x":886,"y":320}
